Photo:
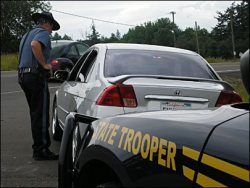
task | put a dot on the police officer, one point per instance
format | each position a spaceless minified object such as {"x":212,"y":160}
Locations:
{"x":33,"y":71}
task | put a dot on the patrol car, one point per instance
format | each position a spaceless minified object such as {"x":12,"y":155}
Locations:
{"x":184,"y":148}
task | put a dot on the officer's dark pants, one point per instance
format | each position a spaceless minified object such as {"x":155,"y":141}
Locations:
{"x":36,"y":91}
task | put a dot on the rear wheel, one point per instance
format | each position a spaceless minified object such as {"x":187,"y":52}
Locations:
{"x":56,"y":129}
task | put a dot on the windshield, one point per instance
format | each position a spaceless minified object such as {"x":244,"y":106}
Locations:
{"x":129,"y":62}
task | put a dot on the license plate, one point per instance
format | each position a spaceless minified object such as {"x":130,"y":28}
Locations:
{"x":172,"y":105}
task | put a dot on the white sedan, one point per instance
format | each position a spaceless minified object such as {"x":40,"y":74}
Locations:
{"x":112,"y":79}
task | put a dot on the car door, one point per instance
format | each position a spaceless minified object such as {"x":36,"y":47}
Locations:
{"x":74,"y":91}
{"x":85,"y":82}
{"x":66,"y":102}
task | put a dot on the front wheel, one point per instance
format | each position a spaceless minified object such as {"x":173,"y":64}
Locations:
{"x":56,"y":129}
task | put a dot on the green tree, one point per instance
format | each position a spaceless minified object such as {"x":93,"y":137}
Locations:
{"x":113,"y":38}
{"x":66,"y":37}
{"x":118,"y":35}
{"x":159,"y":32}
{"x":94,"y":37}
{"x":56,"y":36}
{"x":16,"y":20}
{"x":239,"y":16}
{"x":204,"y":39}
{"x":187,"y":39}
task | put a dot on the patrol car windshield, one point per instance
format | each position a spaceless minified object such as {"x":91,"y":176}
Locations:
{"x":130,"y":62}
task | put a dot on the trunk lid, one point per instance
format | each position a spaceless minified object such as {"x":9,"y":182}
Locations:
{"x":172,"y":93}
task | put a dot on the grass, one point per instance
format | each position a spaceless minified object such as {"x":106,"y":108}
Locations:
{"x":9,"y":62}
{"x":220,"y":60}
{"x":234,"y":79}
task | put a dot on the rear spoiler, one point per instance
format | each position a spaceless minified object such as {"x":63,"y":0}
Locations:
{"x":123,"y":78}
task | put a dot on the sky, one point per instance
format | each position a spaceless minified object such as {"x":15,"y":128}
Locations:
{"x":132,"y":13}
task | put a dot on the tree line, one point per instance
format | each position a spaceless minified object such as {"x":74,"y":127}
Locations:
{"x":228,"y":39}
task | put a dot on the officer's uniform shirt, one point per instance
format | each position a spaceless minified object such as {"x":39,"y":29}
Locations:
{"x":28,"y":60}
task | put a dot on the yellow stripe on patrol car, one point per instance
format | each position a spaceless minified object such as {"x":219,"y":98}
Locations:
{"x":191,"y":153}
{"x":226,"y":167}
{"x":188,"y":172}
{"x":205,"y":181}
{"x":202,"y":180}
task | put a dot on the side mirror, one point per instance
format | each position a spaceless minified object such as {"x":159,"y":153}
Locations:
{"x":244,"y":67}
{"x":61,"y":75}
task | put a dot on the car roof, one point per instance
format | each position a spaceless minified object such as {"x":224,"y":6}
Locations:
{"x":62,"y":42}
{"x":65,"y":42}
{"x":132,"y":46}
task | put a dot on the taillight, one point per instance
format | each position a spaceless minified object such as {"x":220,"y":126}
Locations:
{"x":227,"y":97}
{"x":118,"y":95}
{"x":54,"y":62}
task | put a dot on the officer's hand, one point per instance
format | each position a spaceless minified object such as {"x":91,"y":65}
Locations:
{"x":48,"y":67}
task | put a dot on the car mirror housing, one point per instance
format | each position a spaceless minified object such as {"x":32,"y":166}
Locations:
{"x":244,"y":67}
{"x":61,"y":75}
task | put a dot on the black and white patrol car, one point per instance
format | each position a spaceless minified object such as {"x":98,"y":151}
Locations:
{"x":184,"y":148}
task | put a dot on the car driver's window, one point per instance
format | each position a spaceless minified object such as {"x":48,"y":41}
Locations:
{"x":85,"y":69}
{"x":77,"y":67}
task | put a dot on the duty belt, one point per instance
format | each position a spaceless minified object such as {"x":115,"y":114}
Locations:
{"x":28,"y":70}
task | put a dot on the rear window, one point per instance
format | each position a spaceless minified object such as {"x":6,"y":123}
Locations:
{"x":129,"y":62}
{"x":57,"y":51}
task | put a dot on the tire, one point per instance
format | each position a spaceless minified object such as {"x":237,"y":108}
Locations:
{"x":56,"y":130}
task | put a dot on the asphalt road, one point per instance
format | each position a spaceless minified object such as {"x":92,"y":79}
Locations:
{"x":18,"y":169}
{"x":226,"y":67}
